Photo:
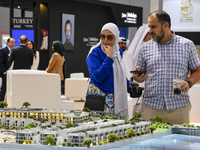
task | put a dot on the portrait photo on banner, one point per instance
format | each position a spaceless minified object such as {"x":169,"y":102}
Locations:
{"x":68,"y":31}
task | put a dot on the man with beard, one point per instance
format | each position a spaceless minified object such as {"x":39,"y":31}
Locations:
{"x":166,"y":57}
{"x":123,"y":43}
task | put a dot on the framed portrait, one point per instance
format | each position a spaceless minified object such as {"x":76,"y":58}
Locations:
{"x":68,"y":31}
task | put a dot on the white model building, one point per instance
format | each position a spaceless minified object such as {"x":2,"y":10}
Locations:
{"x":97,"y":130}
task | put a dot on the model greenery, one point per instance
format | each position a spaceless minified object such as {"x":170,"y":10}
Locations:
{"x":115,"y":117}
{"x":86,"y":109}
{"x":63,"y":144}
{"x":158,"y":119}
{"x":152,"y":127}
{"x":87,"y":142}
{"x":113,"y":137}
{"x":138,"y":115}
{"x":31,"y":125}
{"x":26,"y":104}
{"x":130,"y":133}
{"x":69,"y":125}
{"x":3,"y":104}
{"x":50,"y":139}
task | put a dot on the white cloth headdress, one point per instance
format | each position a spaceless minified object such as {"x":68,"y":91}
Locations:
{"x":120,"y":83}
{"x":122,"y":39}
{"x":133,"y":50}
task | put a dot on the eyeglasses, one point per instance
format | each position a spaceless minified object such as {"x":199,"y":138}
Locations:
{"x":109,"y":37}
{"x":122,"y":43}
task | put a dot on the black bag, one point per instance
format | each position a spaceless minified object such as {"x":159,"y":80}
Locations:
{"x":135,"y":90}
{"x":94,"y":102}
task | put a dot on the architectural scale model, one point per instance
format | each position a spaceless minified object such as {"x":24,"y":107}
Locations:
{"x":57,"y":119}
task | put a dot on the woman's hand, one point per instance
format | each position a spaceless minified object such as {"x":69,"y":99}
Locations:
{"x":108,"y":50}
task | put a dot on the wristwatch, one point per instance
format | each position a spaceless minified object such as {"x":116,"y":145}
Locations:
{"x":190,"y":83}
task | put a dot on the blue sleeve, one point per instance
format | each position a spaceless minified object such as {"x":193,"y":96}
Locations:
{"x":128,"y":85}
{"x":99,"y":66}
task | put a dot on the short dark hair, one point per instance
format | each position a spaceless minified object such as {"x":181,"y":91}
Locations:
{"x":68,"y":21}
{"x":8,"y":40}
{"x":162,"y":17}
{"x":23,"y":40}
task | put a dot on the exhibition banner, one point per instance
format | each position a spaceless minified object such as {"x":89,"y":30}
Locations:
{"x":184,"y":14}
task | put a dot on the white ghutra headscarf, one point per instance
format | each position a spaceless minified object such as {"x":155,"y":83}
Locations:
{"x":120,"y":83}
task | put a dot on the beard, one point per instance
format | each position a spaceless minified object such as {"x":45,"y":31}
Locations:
{"x":158,"y":38}
{"x":123,"y":48}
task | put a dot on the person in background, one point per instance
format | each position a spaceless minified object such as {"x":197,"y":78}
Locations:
{"x":31,"y":45}
{"x":107,"y":73}
{"x":22,"y":56}
{"x":123,"y":43}
{"x":130,"y":58}
{"x":56,"y":62}
{"x":44,"y":45}
{"x":164,"y":58}
{"x":4,"y":55}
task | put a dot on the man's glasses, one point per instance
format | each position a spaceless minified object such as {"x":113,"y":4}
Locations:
{"x":109,"y":37}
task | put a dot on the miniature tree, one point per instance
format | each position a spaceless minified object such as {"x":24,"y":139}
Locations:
{"x":50,"y":139}
{"x":0,"y":122}
{"x":63,"y":144}
{"x":184,"y":124}
{"x":69,"y":125}
{"x":72,"y":144}
{"x":115,"y":117}
{"x":113,"y":137}
{"x":87,"y":142}
{"x":158,"y":119}
{"x":3,"y":104}
{"x":138,"y":115}
{"x":32,"y":125}
{"x":86,"y":109}
{"x":192,"y":125}
{"x":26,"y":104}
{"x":152,"y":127}
{"x":130,"y":132}
{"x":126,"y":122}
{"x":105,"y":142}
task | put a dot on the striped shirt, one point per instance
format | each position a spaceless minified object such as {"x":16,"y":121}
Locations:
{"x":163,"y":63}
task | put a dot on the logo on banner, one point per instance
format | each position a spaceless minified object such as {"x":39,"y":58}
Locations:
{"x":186,"y":11}
{"x":130,"y":17}
{"x":90,"y":41}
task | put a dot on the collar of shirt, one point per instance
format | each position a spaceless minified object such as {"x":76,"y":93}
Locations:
{"x":8,"y":48}
{"x":23,"y":44}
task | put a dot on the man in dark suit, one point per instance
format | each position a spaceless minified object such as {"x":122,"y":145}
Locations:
{"x":4,"y":55}
{"x":21,"y":55}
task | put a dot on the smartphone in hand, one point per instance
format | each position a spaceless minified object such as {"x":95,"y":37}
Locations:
{"x":137,"y":72}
